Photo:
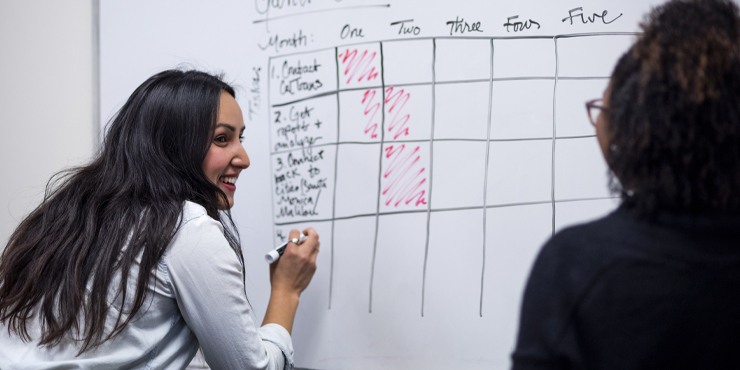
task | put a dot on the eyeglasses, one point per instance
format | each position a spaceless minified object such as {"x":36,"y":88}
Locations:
{"x":593,"y":108}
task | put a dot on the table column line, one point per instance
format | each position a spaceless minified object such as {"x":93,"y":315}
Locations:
{"x":431,"y":171}
{"x":380,"y":176}
{"x":485,"y":179}
{"x":272,"y":167}
{"x":554,"y":131}
{"x":334,"y":198}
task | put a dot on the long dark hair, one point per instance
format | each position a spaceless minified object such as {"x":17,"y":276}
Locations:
{"x":674,"y":118}
{"x":95,"y":220}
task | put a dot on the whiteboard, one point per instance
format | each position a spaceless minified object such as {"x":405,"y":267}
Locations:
{"x":435,"y":146}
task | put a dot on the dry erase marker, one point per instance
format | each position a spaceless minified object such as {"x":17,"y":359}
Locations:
{"x":275,"y":254}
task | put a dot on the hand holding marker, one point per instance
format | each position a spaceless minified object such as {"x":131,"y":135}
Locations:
{"x":277,"y":252}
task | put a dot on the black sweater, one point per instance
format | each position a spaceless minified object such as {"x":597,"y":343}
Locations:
{"x":619,"y":293}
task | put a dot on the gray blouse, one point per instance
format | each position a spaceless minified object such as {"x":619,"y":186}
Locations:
{"x":195,"y":299}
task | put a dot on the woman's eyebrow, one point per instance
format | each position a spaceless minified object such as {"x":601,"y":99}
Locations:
{"x":228,"y":126}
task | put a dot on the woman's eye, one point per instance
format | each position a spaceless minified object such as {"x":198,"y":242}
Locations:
{"x":241,"y":139}
{"x":220,"y":139}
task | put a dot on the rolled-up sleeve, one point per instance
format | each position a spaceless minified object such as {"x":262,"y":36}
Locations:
{"x":205,"y":276}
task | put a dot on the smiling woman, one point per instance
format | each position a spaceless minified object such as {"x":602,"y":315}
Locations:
{"x":128,"y":261}
{"x":226,"y":157}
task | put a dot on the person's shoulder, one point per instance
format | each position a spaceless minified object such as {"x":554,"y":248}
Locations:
{"x":197,"y":230}
{"x":602,"y":235}
{"x":581,"y":251}
{"x":195,"y":216}
{"x":192,"y":211}
{"x":565,"y":269}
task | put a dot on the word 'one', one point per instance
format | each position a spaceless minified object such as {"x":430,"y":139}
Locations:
{"x":350,"y":32}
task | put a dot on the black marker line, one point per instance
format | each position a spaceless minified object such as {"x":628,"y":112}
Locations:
{"x":524,"y":78}
{"x":497,"y":79}
{"x":403,"y":21}
{"x":321,"y":95}
{"x":485,"y":179}
{"x":431,"y":169}
{"x":592,"y":34}
{"x":449,"y":82}
{"x":435,"y":140}
{"x":272,"y":166}
{"x":360,"y":88}
{"x":574,"y":137}
{"x":320,"y":11}
{"x":380,"y":178}
{"x":522,"y":139}
{"x":440,"y":210}
{"x":554,"y":132}
{"x":334,"y":199}
{"x":583,"y":78}
{"x":584,"y":199}
{"x":410,"y":84}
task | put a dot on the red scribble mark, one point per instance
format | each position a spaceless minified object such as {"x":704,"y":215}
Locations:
{"x":358,"y":64}
{"x":399,"y":120}
{"x":371,"y":109}
{"x":404,"y":176}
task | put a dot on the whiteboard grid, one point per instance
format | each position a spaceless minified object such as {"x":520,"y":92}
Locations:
{"x":488,"y":140}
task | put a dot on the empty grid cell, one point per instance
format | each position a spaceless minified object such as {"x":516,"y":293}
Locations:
{"x":570,"y":109}
{"x":299,"y":76}
{"x":399,"y":264}
{"x":458,"y":174}
{"x":404,"y":184}
{"x":357,"y":179}
{"x":517,"y":58}
{"x":317,"y":293}
{"x":580,"y":170}
{"x":591,"y":56}
{"x":361,"y":115}
{"x":514,"y":236}
{"x":519,"y":172}
{"x":307,"y":123}
{"x":359,"y":66}
{"x":408,"y":113}
{"x":461,"y":60}
{"x":522,"y":109}
{"x":582,"y":211}
{"x":461,"y":110}
{"x":408,"y":61}
{"x":454,"y":264}
{"x":353,"y":252}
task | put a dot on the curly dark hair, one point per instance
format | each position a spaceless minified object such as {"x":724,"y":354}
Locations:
{"x":674,"y":117}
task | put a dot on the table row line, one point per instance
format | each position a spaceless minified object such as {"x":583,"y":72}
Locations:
{"x":511,"y":110}
{"x":440,"y":60}
{"x":357,"y":179}
{"x":445,"y":250}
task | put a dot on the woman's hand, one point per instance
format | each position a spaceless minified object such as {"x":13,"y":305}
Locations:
{"x":289,"y":277}
{"x":294,"y":270}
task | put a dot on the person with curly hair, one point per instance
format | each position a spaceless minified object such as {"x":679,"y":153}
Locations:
{"x":656,"y":283}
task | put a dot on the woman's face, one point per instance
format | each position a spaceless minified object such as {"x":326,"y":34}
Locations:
{"x":226,"y":156}
{"x":602,"y":134}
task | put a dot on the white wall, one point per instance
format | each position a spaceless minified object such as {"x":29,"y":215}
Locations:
{"x":47,"y":98}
